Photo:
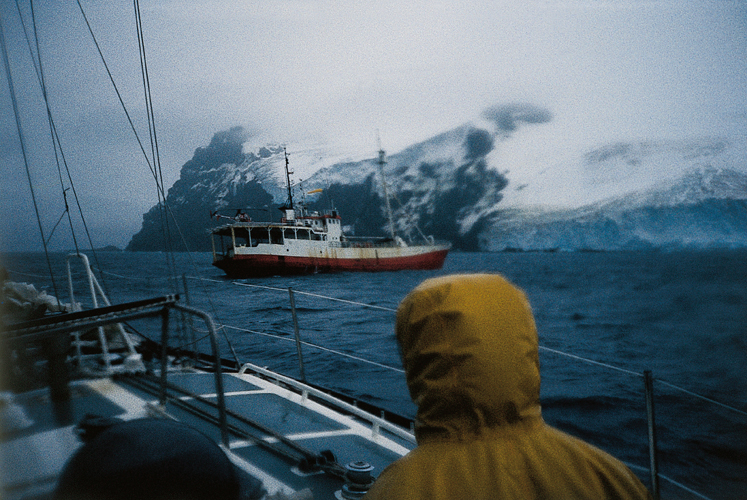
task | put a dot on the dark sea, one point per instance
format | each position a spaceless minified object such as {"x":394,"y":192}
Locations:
{"x":603,"y":319}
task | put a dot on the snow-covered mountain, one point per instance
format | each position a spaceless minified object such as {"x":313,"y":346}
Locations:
{"x":705,"y":208}
{"x":441,"y":187}
{"x":638,"y":195}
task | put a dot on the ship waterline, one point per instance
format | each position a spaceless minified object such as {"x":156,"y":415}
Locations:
{"x":290,"y":250}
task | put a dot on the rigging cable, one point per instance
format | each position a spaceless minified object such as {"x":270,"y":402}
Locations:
{"x":159,"y":185}
{"x":42,"y":84}
{"x":158,"y":172}
{"x":57,"y":143}
{"x":119,"y":96}
{"x":66,"y":211}
{"x":151,"y":120}
{"x":154,"y":172}
{"x":382,"y":161}
{"x":148,"y":99}
{"x":14,"y":101}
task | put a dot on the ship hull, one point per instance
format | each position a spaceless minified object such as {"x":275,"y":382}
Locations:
{"x":249,"y":265}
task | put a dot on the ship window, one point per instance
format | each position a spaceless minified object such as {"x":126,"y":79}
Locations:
{"x":259,"y":237}
{"x":315,"y":236}
{"x":242,"y":237}
{"x":276,"y":236}
{"x":289,"y":234}
{"x":303,"y":234}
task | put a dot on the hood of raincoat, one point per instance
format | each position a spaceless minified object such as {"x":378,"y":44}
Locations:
{"x":469,"y":348}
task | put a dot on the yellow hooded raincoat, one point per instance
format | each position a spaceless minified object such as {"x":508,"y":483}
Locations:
{"x":469,"y":348}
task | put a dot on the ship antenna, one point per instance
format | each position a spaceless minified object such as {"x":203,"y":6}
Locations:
{"x":382,"y":162}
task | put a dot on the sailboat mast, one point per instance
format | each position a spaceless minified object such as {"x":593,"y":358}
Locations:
{"x":382,"y":162}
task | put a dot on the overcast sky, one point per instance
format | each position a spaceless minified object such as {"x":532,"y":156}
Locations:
{"x":334,"y":72}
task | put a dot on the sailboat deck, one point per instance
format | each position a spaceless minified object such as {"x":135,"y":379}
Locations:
{"x":263,"y":418}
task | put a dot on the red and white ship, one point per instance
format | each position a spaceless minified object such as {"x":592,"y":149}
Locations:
{"x":309,"y":242}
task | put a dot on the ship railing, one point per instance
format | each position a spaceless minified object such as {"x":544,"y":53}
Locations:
{"x":649,"y":381}
{"x":54,"y":331}
{"x":387,"y":241}
{"x":646,"y":377}
{"x":366,"y":243}
{"x":377,"y":423}
{"x":132,"y":361}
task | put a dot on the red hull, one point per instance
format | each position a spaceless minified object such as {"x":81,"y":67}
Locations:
{"x":251,"y":266}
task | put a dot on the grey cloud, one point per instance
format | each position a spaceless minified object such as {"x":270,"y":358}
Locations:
{"x":508,"y":117}
{"x":478,"y":143}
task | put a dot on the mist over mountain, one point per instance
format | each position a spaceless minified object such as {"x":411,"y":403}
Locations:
{"x":449,"y":187}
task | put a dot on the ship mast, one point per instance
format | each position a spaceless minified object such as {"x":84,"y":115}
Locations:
{"x":287,"y":209}
{"x":289,"y":203}
{"x":382,"y":162}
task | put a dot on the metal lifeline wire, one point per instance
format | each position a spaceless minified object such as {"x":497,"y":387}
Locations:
{"x":587,"y":360}
{"x":309,"y":294}
{"x":542,"y":348}
{"x":363,"y":360}
{"x":316,"y":346}
{"x":399,"y":370}
{"x":669,"y":480}
{"x":702,"y":397}
{"x":390,"y":309}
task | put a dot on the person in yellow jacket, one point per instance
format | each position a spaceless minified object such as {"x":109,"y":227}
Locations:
{"x":470,"y":353}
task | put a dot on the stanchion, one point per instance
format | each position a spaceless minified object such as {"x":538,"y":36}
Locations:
{"x":295,"y":331}
{"x":648,"y":381}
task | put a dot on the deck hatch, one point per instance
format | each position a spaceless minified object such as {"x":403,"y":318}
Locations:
{"x":283,"y":416}
{"x":204,"y":383}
